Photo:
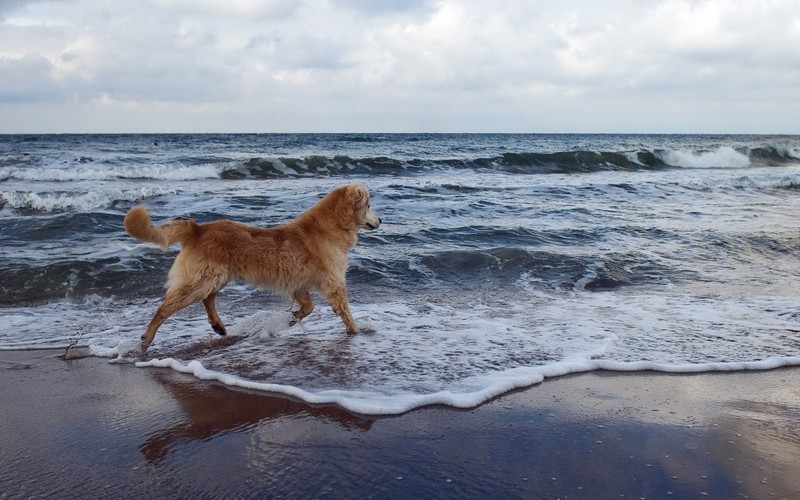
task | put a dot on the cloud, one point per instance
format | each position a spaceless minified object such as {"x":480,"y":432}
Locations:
{"x":11,"y":6}
{"x":401,"y":64}
{"x":236,"y":8}
{"x":27,"y":79}
{"x":373,"y":8}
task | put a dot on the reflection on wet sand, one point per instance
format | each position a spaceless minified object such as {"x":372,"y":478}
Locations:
{"x":769,"y":434}
{"x":212,"y":410}
{"x":743,"y":440}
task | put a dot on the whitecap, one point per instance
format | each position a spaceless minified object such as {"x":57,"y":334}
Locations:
{"x":50,"y":201}
{"x":722,"y":157}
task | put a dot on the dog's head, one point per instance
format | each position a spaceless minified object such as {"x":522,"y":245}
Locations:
{"x":358,"y":196}
{"x":348,"y":208}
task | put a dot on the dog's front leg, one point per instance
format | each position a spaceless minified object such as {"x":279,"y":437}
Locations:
{"x":303,"y":298}
{"x":337,"y":298}
{"x":213,"y":317}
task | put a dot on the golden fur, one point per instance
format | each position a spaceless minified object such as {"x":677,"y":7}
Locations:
{"x":308,"y":253}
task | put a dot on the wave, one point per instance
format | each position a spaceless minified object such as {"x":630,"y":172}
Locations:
{"x":496,"y":267}
{"x":566,"y":259}
{"x":511,"y":163}
{"x":545,"y":260}
{"x":67,"y":226}
{"x":564,"y":162}
{"x":776,"y":182}
{"x":567,"y":162}
{"x":79,"y":201}
{"x":102,"y":197}
{"x":28,"y":283}
{"x":117,"y":272}
{"x":107,"y":173}
{"x":729,"y":157}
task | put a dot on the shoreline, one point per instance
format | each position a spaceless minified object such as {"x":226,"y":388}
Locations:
{"x":89,"y":428}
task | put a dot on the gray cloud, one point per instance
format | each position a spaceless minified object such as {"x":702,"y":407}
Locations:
{"x":28,"y":79}
{"x":577,"y":65}
{"x":11,"y":6}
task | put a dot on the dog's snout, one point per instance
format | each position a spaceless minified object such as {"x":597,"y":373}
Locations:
{"x":372,"y":220}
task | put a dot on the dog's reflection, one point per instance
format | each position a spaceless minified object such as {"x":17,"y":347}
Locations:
{"x":211,"y":410}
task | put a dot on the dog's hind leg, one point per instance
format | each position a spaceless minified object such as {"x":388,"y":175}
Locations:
{"x":337,"y":298}
{"x":175,"y":300}
{"x":303,"y":299}
{"x":213,"y":317}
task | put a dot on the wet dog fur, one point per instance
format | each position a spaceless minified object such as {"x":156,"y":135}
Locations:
{"x":307,"y":254}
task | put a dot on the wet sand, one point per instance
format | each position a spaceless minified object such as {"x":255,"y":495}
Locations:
{"x":86,"y":428}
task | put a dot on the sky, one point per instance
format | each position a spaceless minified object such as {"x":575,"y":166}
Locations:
{"x":582,"y":66}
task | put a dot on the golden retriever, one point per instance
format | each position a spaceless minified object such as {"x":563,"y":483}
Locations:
{"x":308,"y":253}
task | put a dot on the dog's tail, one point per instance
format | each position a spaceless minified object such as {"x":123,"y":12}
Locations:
{"x":140,"y":226}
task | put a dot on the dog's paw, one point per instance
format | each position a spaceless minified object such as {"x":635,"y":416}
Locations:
{"x":293,"y":320}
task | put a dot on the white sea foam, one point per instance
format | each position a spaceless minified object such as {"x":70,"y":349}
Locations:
{"x":723,"y":157}
{"x":50,"y":201}
{"x":375,"y":403}
{"x":432,"y":354}
{"x":57,"y":324}
{"x":789,"y":151}
{"x":263,"y":324}
{"x":430,"y":351}
{"x":768,"y":181}
{"x":105,"y":173}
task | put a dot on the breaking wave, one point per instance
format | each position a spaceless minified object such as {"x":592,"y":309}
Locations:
{"x":266,"y":167}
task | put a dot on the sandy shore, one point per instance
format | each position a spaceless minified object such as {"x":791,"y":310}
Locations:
{"x":89,"y":429}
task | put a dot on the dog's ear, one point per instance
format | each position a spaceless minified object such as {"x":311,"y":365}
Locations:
{"x":359,"y":195}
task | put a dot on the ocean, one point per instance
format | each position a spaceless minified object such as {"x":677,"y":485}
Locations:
{"x":502,"y":260}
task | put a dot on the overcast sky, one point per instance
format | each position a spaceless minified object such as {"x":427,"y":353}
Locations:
{"x":706,"y":66}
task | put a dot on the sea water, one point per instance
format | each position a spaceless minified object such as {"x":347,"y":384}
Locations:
{"x":502,"y":259}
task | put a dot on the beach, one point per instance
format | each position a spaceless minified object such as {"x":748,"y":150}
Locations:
{"x":87,"y":428}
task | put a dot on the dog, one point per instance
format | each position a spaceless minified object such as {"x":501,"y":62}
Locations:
{"x":306,"y":254}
